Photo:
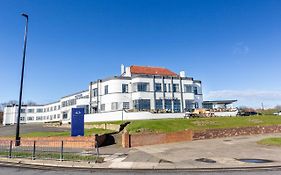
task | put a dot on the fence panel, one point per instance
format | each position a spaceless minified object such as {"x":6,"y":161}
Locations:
{"x":51,"y":150}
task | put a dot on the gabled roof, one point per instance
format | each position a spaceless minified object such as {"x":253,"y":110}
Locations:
{"x":148,"y":70}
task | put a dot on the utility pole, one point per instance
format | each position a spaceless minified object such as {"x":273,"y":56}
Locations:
{"x":17,"y":143}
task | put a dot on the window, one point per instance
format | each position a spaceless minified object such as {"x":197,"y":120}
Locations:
{"x":125,"y":88}
{"x":105,"y":89}
{"x":158,"y":87}
{"x":64,"y":115}
{"x":68,"y":103}
{"x":196,"y":105}
{"x":165,"y":87}
{"x":126,"y":105}
{"x":114,"y":106}
{"x":189,"y":105}
{"x":22,"y":110}
{"x":187,"y":88}
{"x":177,"y":105}
{"x":52,"y":108}
{"x":30,"y":118}
{"x":30,"y":110}
{"x":58,"y":116}
{"x":39,"y":110}
{"x":168,"y":104}
{"x":195,"y":90}
{"x":175,"y":87}
{"x":142,"y":87}
{"x":55,"y":107}
{"x":102,"y":107}
{"x":142,"y":105}
{"x":22,"y":118}
{"x":158,"y":104}
{"x":39,"y":118}
{"x":58,"y":107}
{"x":95,"y":92}
{"x":71,"y":102}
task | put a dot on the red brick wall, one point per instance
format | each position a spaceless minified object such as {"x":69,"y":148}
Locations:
{"x":230,"y":132}
{"x":69,"y":142}
{"x":133,"y":140}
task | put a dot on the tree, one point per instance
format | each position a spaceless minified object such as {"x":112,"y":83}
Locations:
{"x":11,"y":102}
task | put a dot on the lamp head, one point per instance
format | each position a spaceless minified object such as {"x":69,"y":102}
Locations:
{"x":25,"y":15}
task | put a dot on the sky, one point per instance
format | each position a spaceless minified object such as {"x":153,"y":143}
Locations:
{"x":233,"y":47}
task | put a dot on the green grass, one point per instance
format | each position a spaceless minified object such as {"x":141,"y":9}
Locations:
{"x":274,"y":141}
{"x":46,"y":155}
{"x":88,"y":132}
{"x":99,"y":123}
{"x":172,"y":125}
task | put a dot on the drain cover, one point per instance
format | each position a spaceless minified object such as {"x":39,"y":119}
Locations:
{"x":255,"y":160}
{"x":205,"y":160}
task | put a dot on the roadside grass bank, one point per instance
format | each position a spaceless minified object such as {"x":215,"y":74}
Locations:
{"x":99,"y":123}
{"x":55,"y":156}
{"x":197,"y":124}
{"x":272,"y":141}
{"x":88,"y":132}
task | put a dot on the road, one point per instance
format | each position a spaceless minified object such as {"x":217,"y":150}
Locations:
{"x":28,"y":171}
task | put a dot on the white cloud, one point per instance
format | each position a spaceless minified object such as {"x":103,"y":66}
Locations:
{"x":240,"y":48}
{"x":247,"y":97}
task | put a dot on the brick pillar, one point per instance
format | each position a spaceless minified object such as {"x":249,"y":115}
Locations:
{"x":126,"y":140}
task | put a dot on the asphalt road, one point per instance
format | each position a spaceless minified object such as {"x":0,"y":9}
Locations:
{"x":28,"y":171}
{"x":27,"y":128}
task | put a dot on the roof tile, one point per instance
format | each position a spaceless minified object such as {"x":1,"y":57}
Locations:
{"x":148,"y":70}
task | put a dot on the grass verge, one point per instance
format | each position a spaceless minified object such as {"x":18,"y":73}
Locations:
{"x":273,"y":141}
{"x":55,"y":156}
{"x":88,"y":132}
{"x":197,"y":124}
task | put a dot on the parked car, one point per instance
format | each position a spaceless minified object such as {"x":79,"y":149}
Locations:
{"x":277,"y":113}
{"x":248,"y":113}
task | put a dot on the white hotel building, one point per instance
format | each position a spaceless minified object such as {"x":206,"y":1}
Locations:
{"x":139,"y":91}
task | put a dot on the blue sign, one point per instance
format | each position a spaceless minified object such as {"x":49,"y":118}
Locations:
{"x":77,"y":122}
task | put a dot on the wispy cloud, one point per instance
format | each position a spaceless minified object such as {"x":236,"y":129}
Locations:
{"x":240,"y":48}
{"x":247,"y":97}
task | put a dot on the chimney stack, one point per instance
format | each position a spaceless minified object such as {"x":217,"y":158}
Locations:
{"x":182,"y":74}
{"x":122,"y":69}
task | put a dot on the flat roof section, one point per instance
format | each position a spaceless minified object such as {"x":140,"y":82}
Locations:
{"x":219,"y":102}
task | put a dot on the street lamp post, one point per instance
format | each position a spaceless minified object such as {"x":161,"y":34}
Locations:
{"x":17,"y":143}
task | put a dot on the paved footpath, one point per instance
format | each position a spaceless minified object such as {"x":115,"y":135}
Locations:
{"x":182,"y":155}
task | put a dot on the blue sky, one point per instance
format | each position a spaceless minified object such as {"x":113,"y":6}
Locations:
{"x":232,"y":46}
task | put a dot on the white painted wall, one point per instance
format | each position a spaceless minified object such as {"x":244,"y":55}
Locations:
{"x":117,"y":116}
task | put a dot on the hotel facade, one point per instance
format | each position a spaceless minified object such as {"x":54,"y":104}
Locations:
{"x":137,"y":89}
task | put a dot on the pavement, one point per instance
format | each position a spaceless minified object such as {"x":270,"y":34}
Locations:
{"x":223,"y":152}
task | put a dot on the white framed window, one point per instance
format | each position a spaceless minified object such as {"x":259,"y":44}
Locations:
{"x":126,"y":105}
{"x":105,"y":89}
{"x":125,"y":88}
{"x":158,"y":87}
{"x":102,"y":107}
{"x":114,"y":106}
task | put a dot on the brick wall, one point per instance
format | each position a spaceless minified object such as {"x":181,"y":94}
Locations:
{"x":133,"y":140}
{"x":230,"y":132}
{"x":86,"y":142}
